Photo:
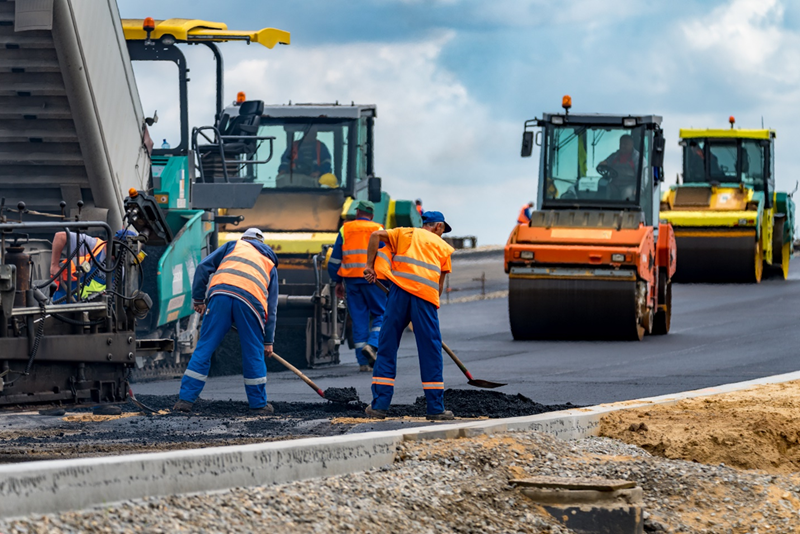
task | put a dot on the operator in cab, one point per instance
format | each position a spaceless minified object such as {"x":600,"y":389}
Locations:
{"x":306,"y":157}
{"x":365,"y":302}
{"x":88,"y":279}
{"x":420,"y":261}
{"x":244,"y":293}
{"x":621,"y":166}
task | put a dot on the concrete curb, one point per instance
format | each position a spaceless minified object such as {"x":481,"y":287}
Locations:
{"x":58,"y":485}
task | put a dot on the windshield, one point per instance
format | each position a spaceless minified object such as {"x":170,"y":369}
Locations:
{"x":307,"y":154}
{"x":724,"y":161}
{"x":601,"y":164}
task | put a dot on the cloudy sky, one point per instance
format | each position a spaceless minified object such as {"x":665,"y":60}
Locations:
{"x":454,"y":80}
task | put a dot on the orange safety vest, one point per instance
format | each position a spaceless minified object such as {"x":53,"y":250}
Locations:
{"x":355,"y":240}
{"x":246,"y":268}
{"x":523,"y":216}
{"x":80,"y":260}
{"x":417,"y":270}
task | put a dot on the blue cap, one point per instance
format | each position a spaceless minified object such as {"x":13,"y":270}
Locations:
{"x":122,"y":234}
{"x":431,"y":217}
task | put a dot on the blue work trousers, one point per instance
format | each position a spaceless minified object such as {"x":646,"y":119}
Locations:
{"x":224,"y":311}
{"x":365,"y":302}
{"x":402,"y":308}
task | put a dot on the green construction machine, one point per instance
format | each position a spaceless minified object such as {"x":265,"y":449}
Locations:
{"x":189,"y":204}
{"x":323,"y":160}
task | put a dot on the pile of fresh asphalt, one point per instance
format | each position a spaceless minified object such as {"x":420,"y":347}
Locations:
{"x":26,"y":437}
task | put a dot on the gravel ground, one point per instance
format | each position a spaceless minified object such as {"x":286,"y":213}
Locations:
{"x":461,"y":486}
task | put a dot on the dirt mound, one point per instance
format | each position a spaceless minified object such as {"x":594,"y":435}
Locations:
{"x":482,"y":403}
{"x":754,"y":429}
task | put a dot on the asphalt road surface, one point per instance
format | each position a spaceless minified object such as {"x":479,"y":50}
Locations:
{"x":720,"y":334}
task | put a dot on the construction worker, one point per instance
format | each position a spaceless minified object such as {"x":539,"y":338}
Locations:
{"x":243,"y":292}
{"x":365,"y":301}
{"x":308,"y":156}
{"x":420,"y":260}
{"x":624,"y":161}
{"x":87,"y":276}
{"x":418,"y":205}
{"x":524,"y":216}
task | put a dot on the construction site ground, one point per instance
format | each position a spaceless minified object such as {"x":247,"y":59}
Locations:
{"x":463,"y":485}
{"x":717,"y":464}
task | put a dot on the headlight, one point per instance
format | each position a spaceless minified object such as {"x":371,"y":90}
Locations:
{"x":557,"y":120}
{"x":618,"y":258}
{"x":629,"y":122}
{"x":526,"y":255}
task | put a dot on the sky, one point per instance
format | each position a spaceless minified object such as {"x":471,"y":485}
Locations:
{"x":454,"y":80}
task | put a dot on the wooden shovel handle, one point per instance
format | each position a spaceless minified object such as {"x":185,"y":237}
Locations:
{"x":298,"y":372}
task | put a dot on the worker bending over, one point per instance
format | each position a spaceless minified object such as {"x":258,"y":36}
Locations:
{"x":420,"y":260}
{"x":365,"y":301}
{"x":88,"y":279}
{"x":243,"y":292}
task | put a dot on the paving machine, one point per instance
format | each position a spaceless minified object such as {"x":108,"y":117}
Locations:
{"x":323,"y":159}
{"x":72,"y":145}
{"x":593,"y":262}
{"x":188,"y":200}
{"x":729,"y":221}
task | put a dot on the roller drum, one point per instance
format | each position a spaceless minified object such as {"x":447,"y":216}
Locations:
{"x":547,"y":308}
{"x":717,"y":259}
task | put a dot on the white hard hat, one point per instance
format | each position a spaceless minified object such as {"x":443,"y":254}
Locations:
{"x":254,"y":234}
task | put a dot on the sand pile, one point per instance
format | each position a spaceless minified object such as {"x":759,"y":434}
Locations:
{"x":754,"y":429}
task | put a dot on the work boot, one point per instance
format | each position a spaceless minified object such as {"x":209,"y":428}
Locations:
{"x":183,"y":406}
{"x":375,"y":414}
{"x":371,"y":353}
{"x":264,"y":410}
{"x":446,"y":415}
{"x":364,"y":368}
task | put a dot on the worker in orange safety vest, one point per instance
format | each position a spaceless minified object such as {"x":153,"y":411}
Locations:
{"x":420,"y":260}
{"x":365,"y":301}
{"x":524,"y":216}
{"x":243,"y":292}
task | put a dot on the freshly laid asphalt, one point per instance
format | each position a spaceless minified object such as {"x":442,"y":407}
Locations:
{"x":720,"y":334}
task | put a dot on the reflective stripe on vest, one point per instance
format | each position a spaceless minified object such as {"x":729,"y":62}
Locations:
{"x":355,"y":240}
{"x":418,"y":269}
{"x":98,"y":283}
{"x":247,"y":269}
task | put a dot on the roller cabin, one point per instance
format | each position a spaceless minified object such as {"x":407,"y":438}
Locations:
{"x":594,"y":262}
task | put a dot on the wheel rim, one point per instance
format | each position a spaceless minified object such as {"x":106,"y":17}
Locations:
{"x":786,"y":254}
{"x":759,"y":263}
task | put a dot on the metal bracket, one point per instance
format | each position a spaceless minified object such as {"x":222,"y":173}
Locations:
{"x":8,"y":286}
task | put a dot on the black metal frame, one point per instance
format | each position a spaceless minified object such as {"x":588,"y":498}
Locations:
{"x":598,"y":204}
{"x":766,"y":171}
{"x":219,"y":142}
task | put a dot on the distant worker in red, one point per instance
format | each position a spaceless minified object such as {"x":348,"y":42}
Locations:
{"x":365,"y":302}
{"x":420,"y":260}
{"x":525,"y":213}
{"x":418,"y":204}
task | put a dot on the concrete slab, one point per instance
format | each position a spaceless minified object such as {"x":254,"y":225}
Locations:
{"x":52,"y":486}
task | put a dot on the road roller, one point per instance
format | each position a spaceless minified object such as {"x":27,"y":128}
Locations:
{"x":593,"y":262}
{"x":730,"y":223}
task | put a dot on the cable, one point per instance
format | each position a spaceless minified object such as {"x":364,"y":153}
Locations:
{"x":75,"y":322}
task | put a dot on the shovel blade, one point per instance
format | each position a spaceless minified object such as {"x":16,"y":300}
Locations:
{"x":485,"y":384}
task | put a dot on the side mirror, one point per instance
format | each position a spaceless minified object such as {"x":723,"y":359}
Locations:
{"x":527,"y":144}
{"x":658,"y":150}
{"x":374,"y":189}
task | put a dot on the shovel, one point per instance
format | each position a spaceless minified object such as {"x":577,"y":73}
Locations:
{"x":486,"y":384}
{"x":310,"y":382}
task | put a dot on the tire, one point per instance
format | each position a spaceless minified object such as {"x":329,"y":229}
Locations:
{"x":663,"y":318}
